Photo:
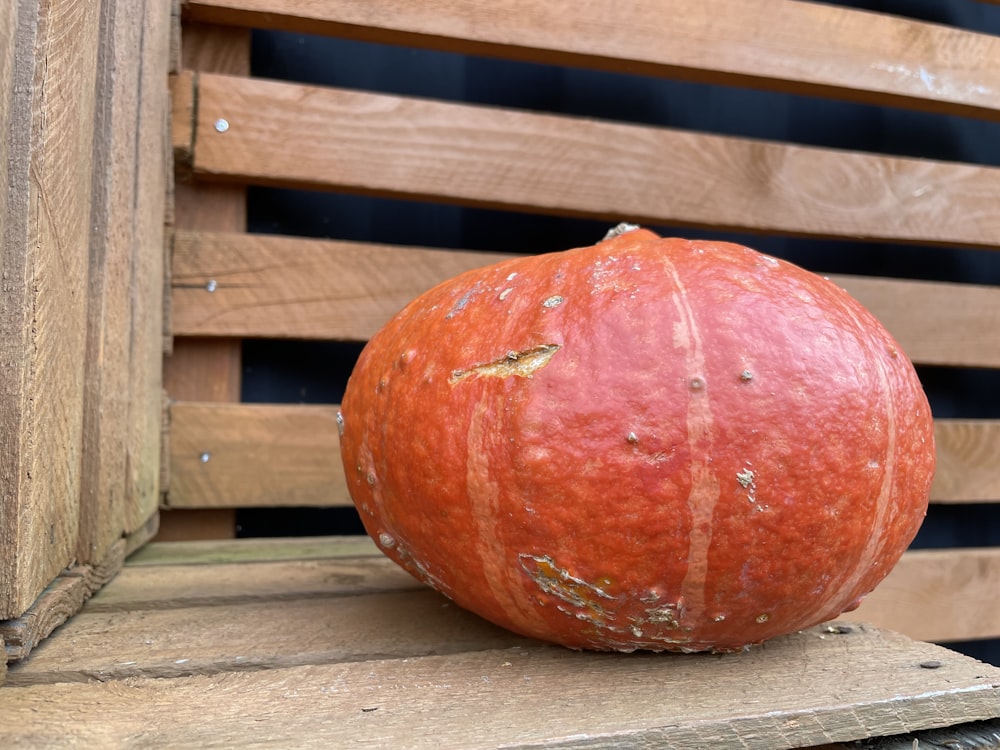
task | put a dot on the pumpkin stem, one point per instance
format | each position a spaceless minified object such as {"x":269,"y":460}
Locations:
{"x":619,"y":230}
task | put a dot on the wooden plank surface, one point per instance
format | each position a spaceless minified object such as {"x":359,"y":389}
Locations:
{"x":252,"y":550}
{"x":938,"y":595}
{"x":933,"y":595}
{"x":306,"y":136}
{"x":249,"y":455}
{"x":199,"y":369}
{"x":148,"y":263}
{"x":228,"y":284}
{"x":269,"y":455}
{"x":799,"y":47}
{"x":43,"y":267}
{"x":271,"y":286}
{"x":107,"y":372}
{"x":968,"y":454}
{"x":804,"y":689}
{"x":193,"y":640}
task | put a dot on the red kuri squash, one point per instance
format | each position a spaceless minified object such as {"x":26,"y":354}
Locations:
{"x":645,"y":444}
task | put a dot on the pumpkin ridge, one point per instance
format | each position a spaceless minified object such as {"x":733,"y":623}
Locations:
{"x":705,"y":488}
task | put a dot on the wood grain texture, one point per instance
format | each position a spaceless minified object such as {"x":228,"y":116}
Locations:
{"x":43,"y":268}
{"x":153,"y":162}
{"x":270,"y":286}
{"x":305,"y":136}
{"x":257,"y":549}
{"x":199,"y":369}
{"x":264,"y":455}
{"x":968,"y":452}
{"x":103,"y":513}
{"x":938,"y":595}
{"x":283,"y":287}
{"x":60,"y":601}
{"x":799,"y":690}
{"x":176,"y":642}
{"x":177,"y":586}
{"x":934,"y":595}
{"x":249,"y":455}
{"x":799,"y":47}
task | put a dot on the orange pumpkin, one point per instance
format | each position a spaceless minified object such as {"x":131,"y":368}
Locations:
{"x":645,"y":444}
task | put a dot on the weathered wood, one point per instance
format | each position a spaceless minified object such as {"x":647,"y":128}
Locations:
{"x":254,"y":550}
{"x":968,"y":455}
{"x":977,"y":735}
{"x":804,"y":689}
{"x":938,"y":595}
{"x":797,"y":47}
{"x":176,"y":642}
{"x":299,"y":288}
{"x":182,"y":116}
{"x":60,"y":601}
{"x":313,"y":137}
{"x":43,"y":267}
{"x":183,"y":524}
{"x":934,"y":595}
{"x":936,"y":323}
{"x":109,"y":310}
{"x":10,"y":448}
{"x":198,"y":369}
{"x":270,"y":286}
{"x":147,"y":286}
{"x":150,"y":587}
{"x":289,"y":455}
{"x":247,"y":455}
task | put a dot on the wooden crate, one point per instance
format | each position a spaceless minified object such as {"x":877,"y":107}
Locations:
{"x":321,"y":641}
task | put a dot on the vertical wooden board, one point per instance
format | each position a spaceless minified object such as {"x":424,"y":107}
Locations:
{"x":147,"y":286}
{"x":107,"y":366}
{"x":43,"y":269}
{"x":202,"y":369}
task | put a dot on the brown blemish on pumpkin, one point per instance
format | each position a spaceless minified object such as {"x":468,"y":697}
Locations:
{"x":521,"y":364}
{"x":560,"y":583}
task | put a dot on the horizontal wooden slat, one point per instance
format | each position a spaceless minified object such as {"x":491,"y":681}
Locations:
{"x":938,"y":595}
{"x":807,"y":688}
{"x":246,"y":455}
{"x":936,"y":323}
{"x":284,"y":287}
{"x":968,"y":467}
{"x":933,"y":595}
{"x":326,"y":138}
{"x":799,"y":47}
{"x":276,"y":287}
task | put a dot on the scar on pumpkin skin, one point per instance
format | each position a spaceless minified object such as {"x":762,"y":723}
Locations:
{"x":522,"y":364}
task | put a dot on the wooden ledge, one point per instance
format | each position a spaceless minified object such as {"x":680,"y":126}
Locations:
{"x":323,"y":641}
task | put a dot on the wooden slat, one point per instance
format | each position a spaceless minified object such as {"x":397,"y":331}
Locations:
{"x":933,"y":595}
{"x":278,"y":287}
{"x":264,"y":455}
{"x":968,"y":468}
{"x":306,"y":136}
{"x":938,"y":595}
{"x":248,"y":455}
{"x":254,"y":549}
{"x":200,"y":369}
{"x":804,"y":689}
{"x":150,"y":587}
{"x":148,"y":262}
{"x":43,"y":272}
{"x":798,"y":47}
{"x":936,"y":323}
{"x":109,"y":306}
{"x":179,"y":641}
